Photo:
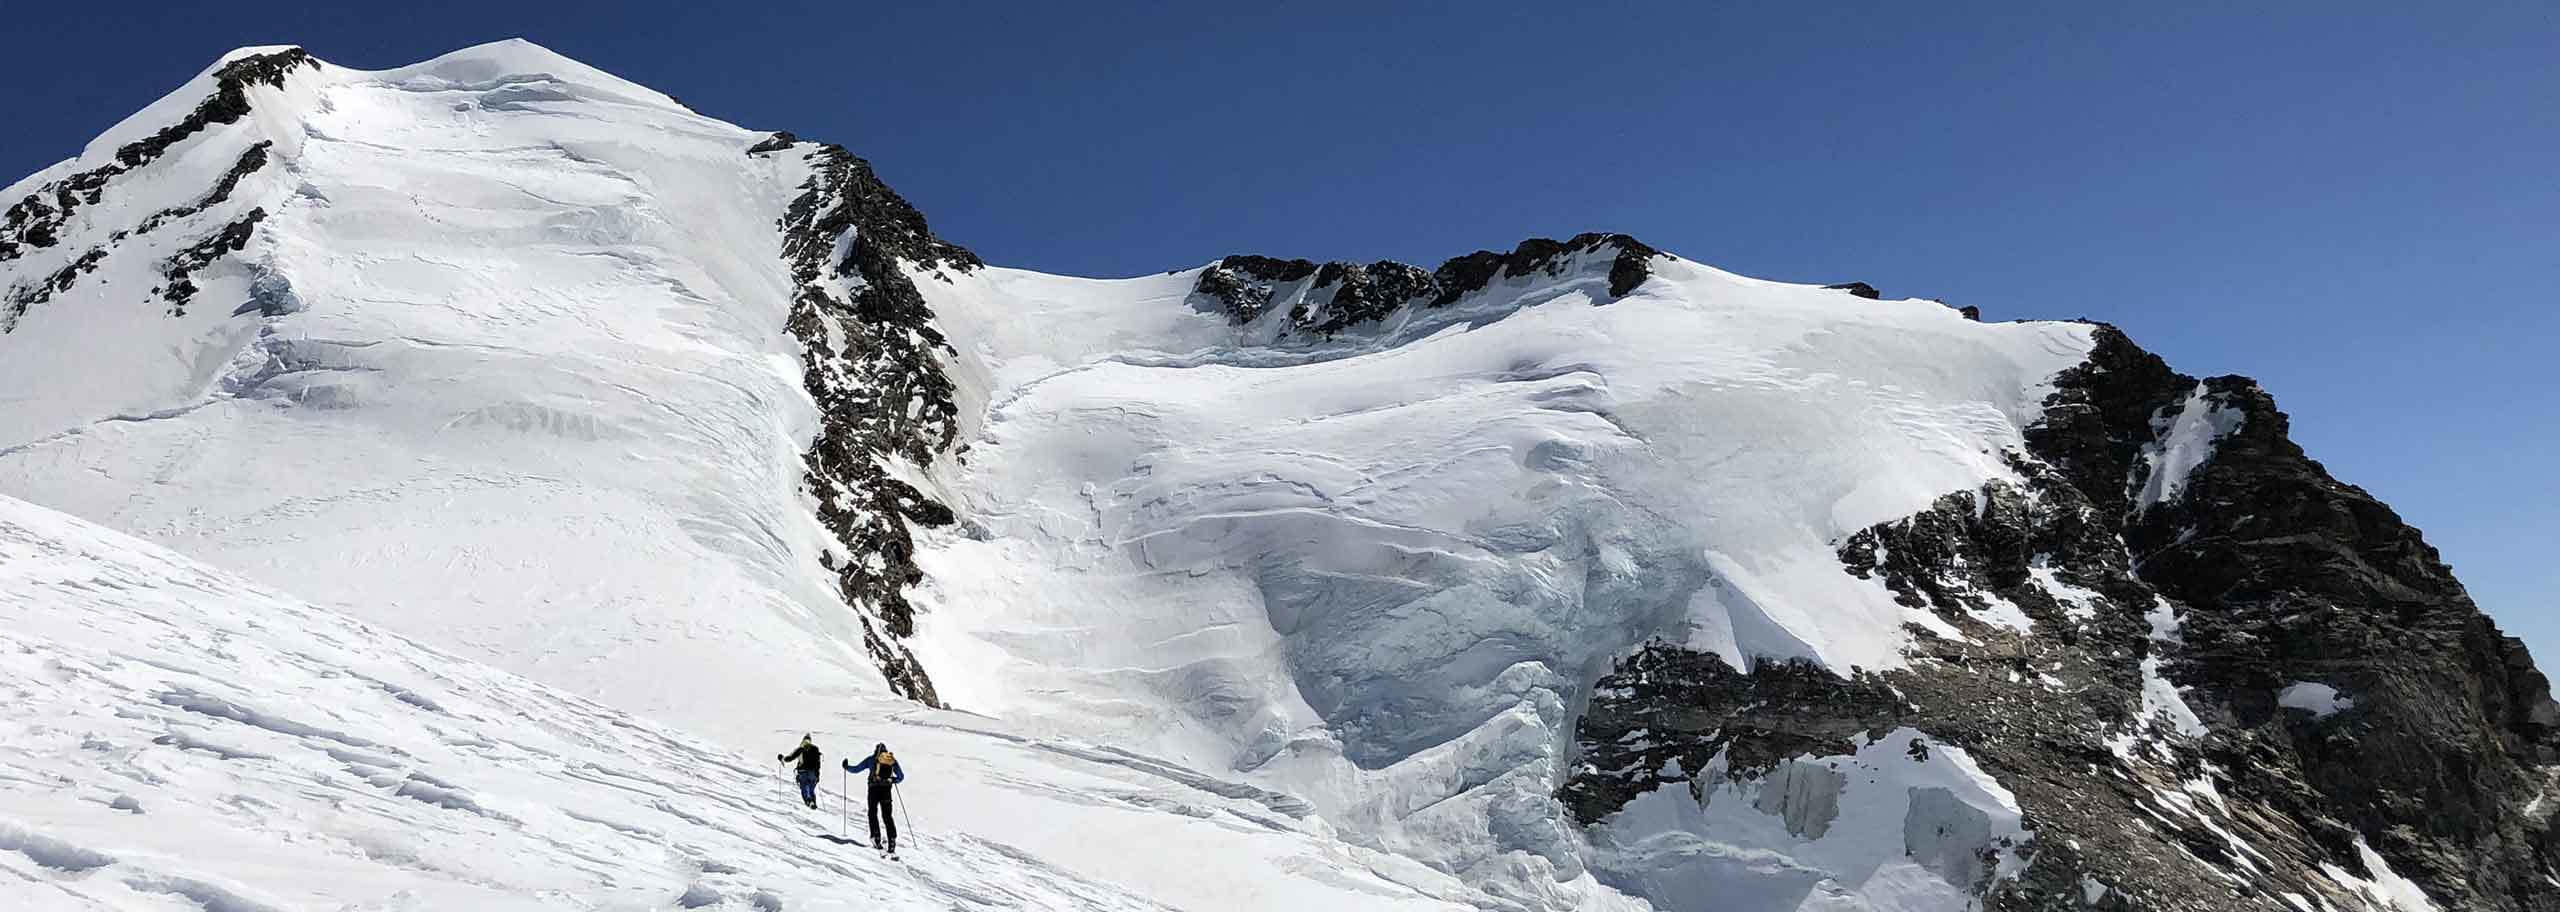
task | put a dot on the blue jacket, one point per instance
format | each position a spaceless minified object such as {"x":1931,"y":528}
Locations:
{"x":897,"y":771}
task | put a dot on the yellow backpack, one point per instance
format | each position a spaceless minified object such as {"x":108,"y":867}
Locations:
{"x":881,"y":764}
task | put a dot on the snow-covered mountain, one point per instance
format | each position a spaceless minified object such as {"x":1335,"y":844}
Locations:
{"x":1572,"y":576}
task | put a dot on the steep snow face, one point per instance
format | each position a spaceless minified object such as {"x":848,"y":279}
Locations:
{"x":503,"y":365}
{"x":1380,"y":569}
{"x":177,"y":735}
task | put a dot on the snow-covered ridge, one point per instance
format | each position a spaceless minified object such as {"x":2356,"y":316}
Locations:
{"x":469,"y":322}
{"x":41,"y":217}
{"x":1322,"y":300}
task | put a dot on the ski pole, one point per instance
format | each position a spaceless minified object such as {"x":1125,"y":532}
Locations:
{"x":902,"y":811}
{"x":844,"y":800}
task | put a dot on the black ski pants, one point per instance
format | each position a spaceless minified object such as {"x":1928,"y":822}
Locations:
{"x":881,"y":815}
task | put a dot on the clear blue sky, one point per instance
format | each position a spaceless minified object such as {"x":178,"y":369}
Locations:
{"x":2356,"y":203}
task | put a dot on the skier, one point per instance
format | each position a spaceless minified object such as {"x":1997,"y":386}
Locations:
{"x":885,"y":774}
{"x":807,"y":754}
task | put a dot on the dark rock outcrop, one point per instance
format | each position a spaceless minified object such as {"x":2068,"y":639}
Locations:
{"x":251,"y":159}
{"x":1861,"y":289}
{"x":1245,"y":283}
{"x":1665,"y":707}
{"x":1342,"y":296}
{"x":42,"y":219}
{"x":2294,"y":577}
{"x":1362,"y":294}
{"x":37,"y":220}
{"x":1466,"y":275}
{"x":2270,"y":574}
{"x":180,"y":269}
{"x":872,"y":363}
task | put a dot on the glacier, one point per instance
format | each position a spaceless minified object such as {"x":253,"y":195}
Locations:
{"x":542,"y":451}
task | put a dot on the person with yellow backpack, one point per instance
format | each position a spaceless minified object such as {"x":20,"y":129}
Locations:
{"x":885,"y":776}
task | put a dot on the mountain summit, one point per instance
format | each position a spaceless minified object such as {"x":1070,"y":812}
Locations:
{"x":1573,"y":576}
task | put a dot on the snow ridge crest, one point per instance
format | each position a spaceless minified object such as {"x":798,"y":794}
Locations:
{"x":1330,"y":298}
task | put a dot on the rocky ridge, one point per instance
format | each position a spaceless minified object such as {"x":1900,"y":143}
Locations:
{"x":43,"y":218}
{"x":1330,"y":298}
{"x":2127,"y":623}
{"x":871,"y":358}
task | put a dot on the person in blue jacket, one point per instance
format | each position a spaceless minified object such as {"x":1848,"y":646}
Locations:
{"x":885,"y":775}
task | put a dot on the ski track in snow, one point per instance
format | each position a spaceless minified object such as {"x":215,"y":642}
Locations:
{"x":226,"y":711}
{"x":278,"y":756}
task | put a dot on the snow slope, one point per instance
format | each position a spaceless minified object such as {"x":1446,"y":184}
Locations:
{"x":178,"y":735}
{"x":508,"y":373}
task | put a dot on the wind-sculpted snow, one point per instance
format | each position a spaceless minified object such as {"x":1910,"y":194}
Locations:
{"x":1381,"y":569}
{"x":1380,"y":562}
{"x":173,"y":730}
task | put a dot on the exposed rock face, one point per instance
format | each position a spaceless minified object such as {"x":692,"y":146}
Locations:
{"x":42,"y":219}
{"x":182,"y":266}
{"x":2129,"y":611}
{"x":37,"y":220}
{"x":2293,"y":576}
{"x":870,"y":356}
{"x":1343,"y":296}
{"x":1757,"y":719}
{"x":1245,"y":282}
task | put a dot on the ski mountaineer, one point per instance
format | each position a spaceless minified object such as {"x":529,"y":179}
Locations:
{"x":885,"y":775}
{"x":807,"y":754}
